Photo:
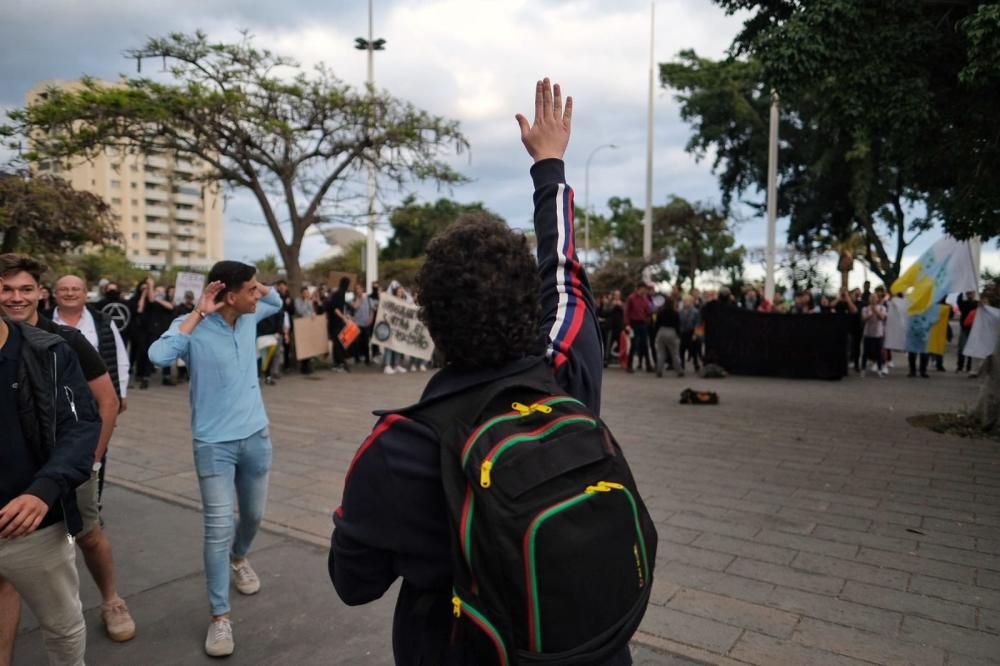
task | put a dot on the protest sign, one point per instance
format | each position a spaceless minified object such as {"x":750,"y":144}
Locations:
{"x":397,"y":327}
{"x":310,"y":337}
{"x":193,"y":282}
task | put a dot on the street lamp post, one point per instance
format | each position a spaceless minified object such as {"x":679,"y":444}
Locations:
{"x":371,"y":248}
{"x":586,"y":198}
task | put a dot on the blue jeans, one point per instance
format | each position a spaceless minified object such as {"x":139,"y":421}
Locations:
{"x":243,"y":463}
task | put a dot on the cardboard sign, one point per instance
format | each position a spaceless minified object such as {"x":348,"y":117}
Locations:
{"x":310,"y":337}
{"x":194,"y":282}
{"x":333,"y":279}
{"x":397,"y":327}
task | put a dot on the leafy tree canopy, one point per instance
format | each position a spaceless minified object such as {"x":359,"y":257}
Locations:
{"x":298,"y":142}
{"x":414,"y":224}
{"x":44,"y":215}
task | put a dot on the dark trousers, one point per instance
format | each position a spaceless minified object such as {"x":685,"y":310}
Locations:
{"x":690,"y":346}
{"x":360,"y":346}
{"x":873,"y":350}
{"x":912,"y":359}
{"x":855,"y":351}
{"x":640,"y":344}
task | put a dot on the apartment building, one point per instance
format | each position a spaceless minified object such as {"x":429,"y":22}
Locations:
{"x":167,"y":218}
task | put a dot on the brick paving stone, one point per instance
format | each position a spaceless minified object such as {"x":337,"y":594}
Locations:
{"x":923,"y":536}
{"x":989,"y":620}
{"x":958,"y":527}
{"x":747,"y":589}
{"x":808,"y":544}
{"x":696,"y":556}
{"x":917,"y":564}
{"x":779,"y":575}
{"x":865,"y":573}
{"x":910,"y":604}
{"x":725,"y":609}
{"x":989,"y":579}
{"x":864,"y":539}
{"x":757,"y":648}
{"x":685,"y":628}
{"x":952,"y":638}
{"x":836,"y":610}
{"x":863,"y":645}
{"x":827,"y":518}
{"x":749,"y":549}
{"x":958,"y":556}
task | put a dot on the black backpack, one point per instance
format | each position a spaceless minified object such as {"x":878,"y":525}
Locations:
{"x":553,"y":549}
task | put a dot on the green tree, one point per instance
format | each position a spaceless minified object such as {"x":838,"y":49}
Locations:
{"x":109,"y":262}
{"x":253,"y":120}
{"x":44,"y":215}
{"x":699,"y":239}
{"x":415,"y":224}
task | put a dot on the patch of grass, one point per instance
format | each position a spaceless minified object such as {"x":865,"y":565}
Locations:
{"x":962,"y":424}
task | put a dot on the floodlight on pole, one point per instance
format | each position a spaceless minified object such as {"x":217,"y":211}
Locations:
{"x":371,"y":248}
{"x":586,"y":199}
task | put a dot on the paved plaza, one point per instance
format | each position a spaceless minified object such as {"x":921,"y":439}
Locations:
{"x":800,"y":522}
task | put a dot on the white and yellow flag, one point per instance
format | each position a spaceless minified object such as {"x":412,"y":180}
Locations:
{"x":918,"y":322}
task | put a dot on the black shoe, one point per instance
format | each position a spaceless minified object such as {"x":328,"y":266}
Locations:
{"x":629,"y":370}
{"x":167,"y":381}
{"x":144,"y":383}
{"x":346,"y":368}
{"x":925,"y":375}
{"x":911,"y":374}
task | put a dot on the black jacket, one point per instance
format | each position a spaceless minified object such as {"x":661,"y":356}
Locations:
{"x":59,"y":419}
{"x":393,"y":521}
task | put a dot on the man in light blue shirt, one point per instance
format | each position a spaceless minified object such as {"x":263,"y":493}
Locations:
{"x":232,"y":446}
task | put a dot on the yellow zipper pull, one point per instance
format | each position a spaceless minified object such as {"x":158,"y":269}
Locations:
{"x":611,"y":486}
{"x":539,"y":407}
{"x":484,"y":473}
{"x":456,"y":606}
{"x":521,"y":409}
{"x":599,"y":488}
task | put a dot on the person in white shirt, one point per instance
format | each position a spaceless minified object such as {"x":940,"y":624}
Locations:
{"x":71,"y":310}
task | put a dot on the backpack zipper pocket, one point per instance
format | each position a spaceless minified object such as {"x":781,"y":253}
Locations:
{"x":529,"y":551}
{"x":519,"y":411}
{"x":486,"y":467}
{"x":460,"y":607}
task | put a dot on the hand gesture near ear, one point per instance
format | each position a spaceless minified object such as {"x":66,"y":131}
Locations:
{"x":207,"y":303}
{"x":548,"y":136}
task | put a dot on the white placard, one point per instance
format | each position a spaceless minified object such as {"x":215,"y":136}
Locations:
{"x":397,"y":327}
{"x":194,"y":282}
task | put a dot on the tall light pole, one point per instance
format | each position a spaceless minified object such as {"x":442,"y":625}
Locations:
{"x":586,"y":199}
{"x":371,"y":248}
{"x":772,"y":197}
{"x":647,"y":219}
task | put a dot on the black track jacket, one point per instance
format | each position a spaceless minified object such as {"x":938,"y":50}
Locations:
{"x":393,"y":520}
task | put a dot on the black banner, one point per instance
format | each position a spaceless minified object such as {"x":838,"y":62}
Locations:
{"x":769,"y":344}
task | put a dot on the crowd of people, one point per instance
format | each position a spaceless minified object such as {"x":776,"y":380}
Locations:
{"x":657,"y":330}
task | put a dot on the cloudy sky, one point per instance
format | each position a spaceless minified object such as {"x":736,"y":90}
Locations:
{"x":472,"y":60}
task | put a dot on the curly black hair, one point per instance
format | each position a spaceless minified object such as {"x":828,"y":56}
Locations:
{"x":478,"y":292}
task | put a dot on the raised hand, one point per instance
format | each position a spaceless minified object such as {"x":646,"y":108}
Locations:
{"x":207,"y":303}
{"x":548,"y":136}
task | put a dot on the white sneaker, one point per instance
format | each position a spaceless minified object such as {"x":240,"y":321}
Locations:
{"x":401,"y":370}
{"x":244,"y":577}
{"x":423,"y":367}
{"x":883,"y":373}
{"x":219,"y":641}
{"x":890,"y":364}
{"x":389,"y":370}
{"x":862,"y":372}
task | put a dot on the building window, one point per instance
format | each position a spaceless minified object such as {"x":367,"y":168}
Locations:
{"x":115,"y":184}
{"x":135,"y":185}
{"x":134,"y":167}
{"x":154,"y":253}
{"x":135,"y":218}
{"x":135,"y":236}
{"x":115,"y":201}
{"x":152,"y":218}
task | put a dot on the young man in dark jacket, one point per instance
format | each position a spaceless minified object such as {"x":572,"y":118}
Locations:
{"x":493,"y":313}
{"x":51,"y":429}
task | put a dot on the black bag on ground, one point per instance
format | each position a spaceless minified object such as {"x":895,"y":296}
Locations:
{"x":553,"y":549}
